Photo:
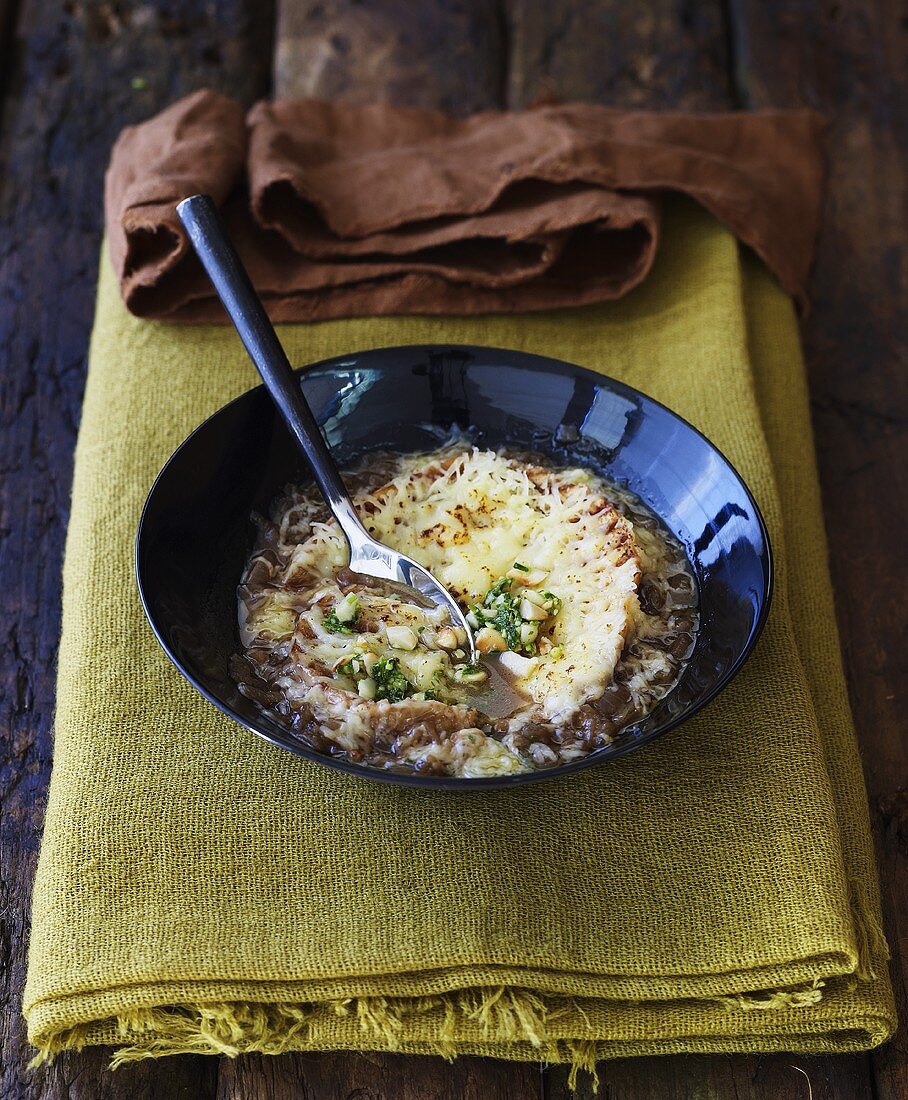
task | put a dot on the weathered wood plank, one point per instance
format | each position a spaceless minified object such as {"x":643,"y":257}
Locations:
{"x":659,"y":55}
{"x":446,"y":54}
{"x":849,"y":58}
{"x":376,"y":1076}
{"x":642,"y":56}
{"x":703,"y":1077}
{"x":677,"y":56}
{"x":82,"y":70}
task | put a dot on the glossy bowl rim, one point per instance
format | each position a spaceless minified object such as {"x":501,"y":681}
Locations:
{"x":458,"y":783}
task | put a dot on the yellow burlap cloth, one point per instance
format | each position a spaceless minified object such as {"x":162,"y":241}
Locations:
{"x":199,"y":890}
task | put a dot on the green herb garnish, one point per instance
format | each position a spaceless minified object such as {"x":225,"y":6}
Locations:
{"x":499,"y":589}
{"x":507,"y":620}
{"x":501,"y":609}
{"x":390,"y":682}
{"x":342,"y":619}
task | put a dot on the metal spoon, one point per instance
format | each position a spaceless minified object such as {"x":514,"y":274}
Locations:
{"x":228,"y":276}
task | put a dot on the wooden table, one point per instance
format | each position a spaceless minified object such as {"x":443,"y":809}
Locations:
{"x":72,"y":72}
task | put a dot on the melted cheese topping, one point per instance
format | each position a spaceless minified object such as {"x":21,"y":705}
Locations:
{"x":468,"y":519}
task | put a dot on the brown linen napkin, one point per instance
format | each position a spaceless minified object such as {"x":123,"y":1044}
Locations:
{"x":344,"y":210}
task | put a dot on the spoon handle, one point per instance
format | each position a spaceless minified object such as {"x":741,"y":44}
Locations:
{"x":209,"y":238}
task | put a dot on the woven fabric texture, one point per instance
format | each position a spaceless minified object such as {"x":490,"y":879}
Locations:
{"x":199,"y":890}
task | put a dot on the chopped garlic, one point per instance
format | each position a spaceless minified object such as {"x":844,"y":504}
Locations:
{"x":532,"y":611}
{"x":446,"y":638}
{"x":488,"y":640}
{"x":517,"y":665}
{"x":402,"y":637}
{"x":532,"y":578}
{"x":347,"y":609}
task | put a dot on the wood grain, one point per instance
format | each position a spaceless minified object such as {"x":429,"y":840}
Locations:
{"x":849,"y":58}
{"x":375,"y":1077}
{"x":446,"y":54}
{"x":658,"y":55}
{"x":82,"y":71}
{"x":704,"y":1077}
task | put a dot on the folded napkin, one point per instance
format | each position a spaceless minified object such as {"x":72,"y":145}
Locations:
{"x":342,"y":210}
{"x":199,"y":890}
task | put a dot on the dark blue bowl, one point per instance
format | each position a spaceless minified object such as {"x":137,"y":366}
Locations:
{"x":195,"y":533}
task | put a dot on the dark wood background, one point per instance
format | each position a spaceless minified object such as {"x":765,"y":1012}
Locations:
{"x":72,"y":72}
